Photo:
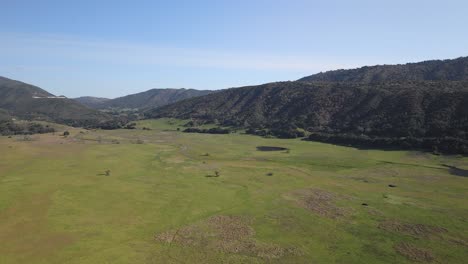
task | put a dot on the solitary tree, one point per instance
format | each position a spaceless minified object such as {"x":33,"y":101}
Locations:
{"x":107,"y":172}
{"x":217,"y":173}
{"x":66,"y":134}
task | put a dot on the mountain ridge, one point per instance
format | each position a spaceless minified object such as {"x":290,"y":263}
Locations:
{"x":429,"y":70}
{"x":30,"y":102}
{"x":155,"y":97}
{"x":414,"y":109}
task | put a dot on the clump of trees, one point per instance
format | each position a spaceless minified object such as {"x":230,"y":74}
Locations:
{"x":8,"y":128}
{"x":130,"y":126}
{"x":445,"y":144}
{"x":214,"y":130}
{"x":279,"y":132}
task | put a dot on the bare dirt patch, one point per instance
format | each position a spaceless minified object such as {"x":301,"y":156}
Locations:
{"x":319,"y":201}
{"x":417,"y":230}
{"x":414,"y":253}
{"x":459,"y":242}
{"x":231,"y":234}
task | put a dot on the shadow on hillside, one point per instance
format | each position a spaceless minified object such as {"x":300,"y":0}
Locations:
{"x":456,"y":171}
{"x":270,"y":148}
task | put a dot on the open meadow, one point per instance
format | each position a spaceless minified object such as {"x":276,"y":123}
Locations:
{"x":158,"y":195}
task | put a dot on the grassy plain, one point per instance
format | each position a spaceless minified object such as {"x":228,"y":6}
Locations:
{"x":162,"y":202}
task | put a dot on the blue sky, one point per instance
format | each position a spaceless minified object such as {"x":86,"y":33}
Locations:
{"x":113,"y":48}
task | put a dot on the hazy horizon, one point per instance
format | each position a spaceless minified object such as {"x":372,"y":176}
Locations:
{"x":110,"y":49}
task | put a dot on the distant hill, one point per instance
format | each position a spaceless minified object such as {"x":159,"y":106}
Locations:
{"x":149,"y":99}
{"x":29,"y":102}
{"x":433,"y":70}
{"x":90,"y":101}
{"x":391,"y":110}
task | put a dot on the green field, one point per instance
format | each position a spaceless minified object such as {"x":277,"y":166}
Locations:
{"x":162,"y":201}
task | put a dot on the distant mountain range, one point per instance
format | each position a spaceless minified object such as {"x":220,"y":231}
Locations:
{"x":393,"y":110}
{"x":366,"y":105}
{"x":149,"y":99}
{"x":25,"y":101}
{"x":416,"y":105}
{"x":433,"y":70}
{"x":28,"y":102}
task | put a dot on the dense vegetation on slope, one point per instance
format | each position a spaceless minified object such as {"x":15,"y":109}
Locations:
{"x":423,"y":110}
{"x":434,"y":70}
{"x":90,"y":101}
{"x":29,"y":102}
{"x":148,"y":99}
{"x":4,"y":115}
{"x":8,"y":128}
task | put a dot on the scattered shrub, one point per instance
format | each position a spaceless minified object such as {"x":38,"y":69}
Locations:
{"x":8,"y":128}
{"x":130,"y":126}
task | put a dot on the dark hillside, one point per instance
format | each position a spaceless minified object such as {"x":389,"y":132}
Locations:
{"x":390,"y":110}
{"x":434,"y":70}
{"x":90,"y":101}
{"x":29,"y":102}
{"x":148,"y":99}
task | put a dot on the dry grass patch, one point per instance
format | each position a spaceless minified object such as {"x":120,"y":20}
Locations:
{"x":231,"y":234}
{"x":459,"y":242}
{"x":417,"y":230}
{"x":319,"y":201}
{"x":414,"y":253}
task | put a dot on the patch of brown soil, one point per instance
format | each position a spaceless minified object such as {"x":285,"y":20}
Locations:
{"x":232,"y":234}
{"x":374,"y":212}
{"x":459,"y":242}
{"x":418,"y":230}
{"x":319,"y":201}
{"x":414,"y":253}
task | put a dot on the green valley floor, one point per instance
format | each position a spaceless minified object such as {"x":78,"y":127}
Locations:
{"x":159,"y":195}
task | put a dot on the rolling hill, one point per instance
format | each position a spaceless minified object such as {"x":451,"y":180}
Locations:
{"x":148,"y":99}
{"x":30,"y":102}
{"x":433,"y":70}
{"x":420,"y":110}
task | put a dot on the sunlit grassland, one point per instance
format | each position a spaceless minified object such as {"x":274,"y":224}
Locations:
{"x":58,"y":206}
